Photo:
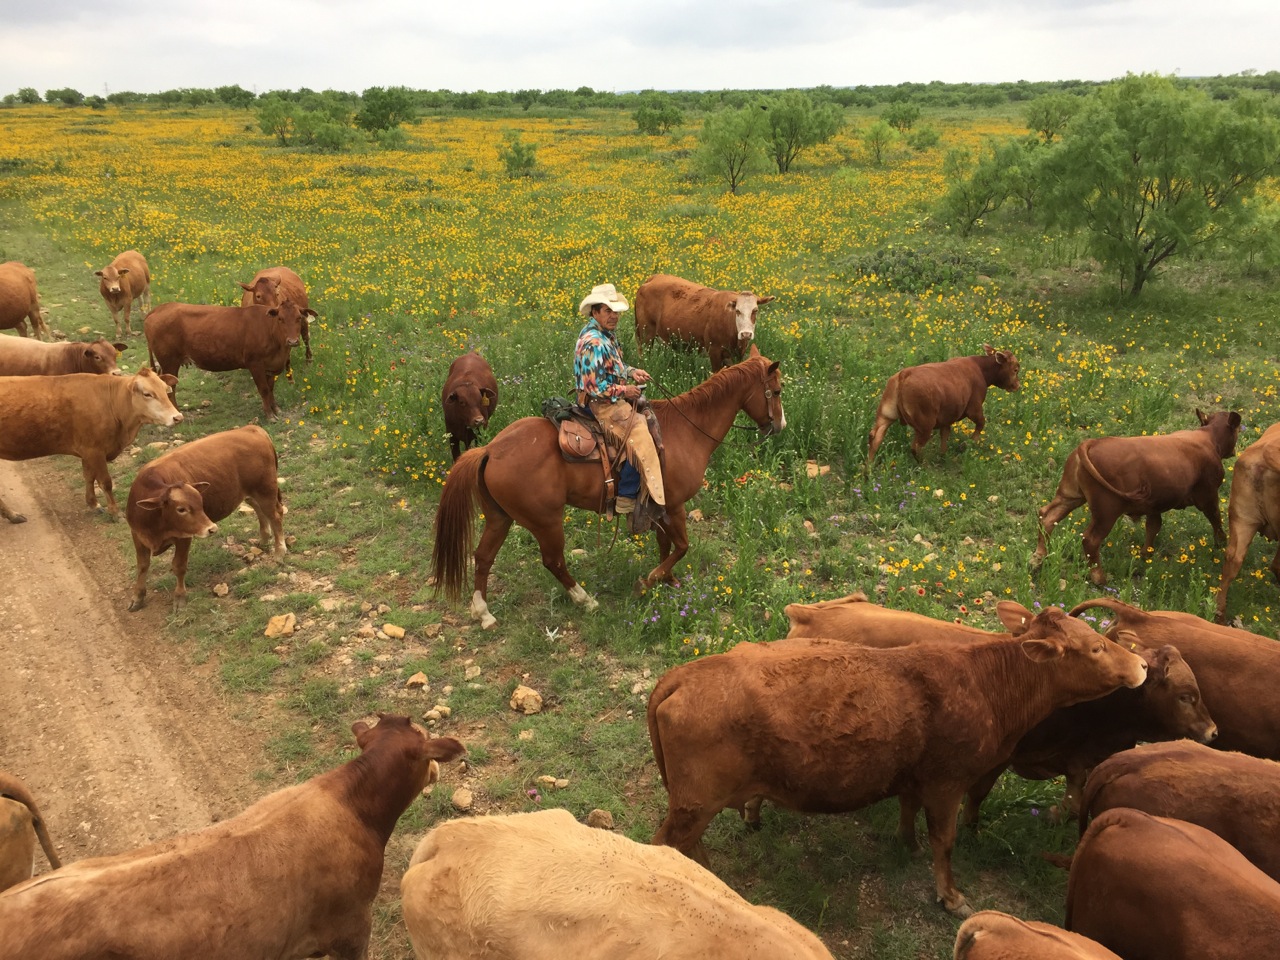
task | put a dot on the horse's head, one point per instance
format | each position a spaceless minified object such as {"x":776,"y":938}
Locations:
{"x":764,"y":403}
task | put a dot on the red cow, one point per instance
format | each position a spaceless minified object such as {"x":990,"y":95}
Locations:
{"x":183,"y":494}
{"x":257,"y":339}
{"x":469,"y":397}
{"x":19,"y":300}
{"x":121,"y":282}
{"x":20,"y":826}
{"x":991,"y":935}
{"x":1142,"y":477}
{"x":936,"y":395}
{"x":273,"y":286}
{"x":1255,"y":508}
{"x":721,"y":323}
{"x":24,"y":357}
{"x":824,"y":726}
{"x":1156,"y":889}
{"x":293,"y":876}
{"x":82,"y":415}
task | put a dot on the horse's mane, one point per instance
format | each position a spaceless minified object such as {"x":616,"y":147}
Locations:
{"x":710,"y":393}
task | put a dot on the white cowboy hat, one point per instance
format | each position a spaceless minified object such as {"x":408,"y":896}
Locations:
{"x":605,"y":293}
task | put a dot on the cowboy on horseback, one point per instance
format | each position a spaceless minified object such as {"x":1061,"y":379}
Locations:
{"x":601,"y":379}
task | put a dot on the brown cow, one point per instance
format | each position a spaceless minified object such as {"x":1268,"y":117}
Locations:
{"x":1238,"y":672}
{"x":257,"y":339}
{"x":183,"y":494}
{"x":24,"y":357}
{"x":1233,"y":794}
{"x":126,"y":279}
{"x":1156,"y":889}
{"x":1070,"y":741}
{"x":824,"y":726}
{"x":721,"y":323}
{"x":19,"y":300}
{"x":20,"y":826}
{"x":469,"y":397}
{"x":991,"y":935}
{"x":271,"y":287}
{"x":293,"y":876}
{"x":936,"y":395}
{"x":1254,"y":508}
{"x":541,"y":886}
{"x":1142,"y":477}
{"x":82,"y":415}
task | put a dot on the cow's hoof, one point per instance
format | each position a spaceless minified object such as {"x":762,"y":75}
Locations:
{"x":1099,"y":579}
{"x":137,"y":604}
{"x":17,"y":518}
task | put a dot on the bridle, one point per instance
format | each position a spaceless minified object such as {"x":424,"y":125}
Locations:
{"x":765,"y":429}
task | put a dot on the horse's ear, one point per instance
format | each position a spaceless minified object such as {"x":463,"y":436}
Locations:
{"x":753,"y":352}
{"x":773,"y":367}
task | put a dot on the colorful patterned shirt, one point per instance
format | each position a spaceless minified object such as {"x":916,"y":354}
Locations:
{"x":598,"y":369}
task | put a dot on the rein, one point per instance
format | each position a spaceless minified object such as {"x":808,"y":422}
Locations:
{"x":668,"y":395}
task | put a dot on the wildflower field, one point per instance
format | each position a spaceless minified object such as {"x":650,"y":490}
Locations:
{"x":414,"y":256}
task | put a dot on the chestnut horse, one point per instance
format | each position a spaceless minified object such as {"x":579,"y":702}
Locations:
{"x":520,"y":477}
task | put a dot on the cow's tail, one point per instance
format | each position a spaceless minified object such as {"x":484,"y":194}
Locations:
{"x":667,"y":685}
{"x":1126,"y":616}
{"x":151,"y":357}
{"x":1082,"y":456}
{"x":15,"y":789}
{"x":455,"y":524}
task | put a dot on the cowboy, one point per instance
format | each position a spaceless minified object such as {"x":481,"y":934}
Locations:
{"x":600,"y":377}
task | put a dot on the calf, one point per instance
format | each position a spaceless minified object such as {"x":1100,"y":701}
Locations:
{"x":293,"y":876}
{"x":1233,"y":794}
{"x":257,"y":339}
{"x":990,"y":935}
{"x":721,"y":323}
{"x":823,"y":726}
{"x":82,"y":415}
{"x":183,"y":493}
{"x":23,"y":357}
{"x":20,"y":826}
{"x":121,"y":282}
{"x":273,"y":286}
{"x":469,"y":397}
{"x":19,"y":300}
{"x":1238,"y":672}
{"x":1071,"y":740}
{"x":1156,"y":889}
{"x":936,"y":395}
{"x":1141,"y":477}
{"x":1255,"y":507}
{"x":494,"y":888}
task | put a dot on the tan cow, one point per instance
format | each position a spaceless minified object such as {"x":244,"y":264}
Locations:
{"x":1141,"y":477}
{"x":1233,"y":794}
{"x":936,"y":395}
{"x":19,"y":300}
{"x":1254,"y":508}
{"x":124,"y":280}
{"x":721,"y":323}
{"x":21,"y":824}
{"x":825,"y":726}
{"x":991,"y":935}
{"x":293,"y":876}
{"x":183,"y":494}
{"x":1238,"y":672}
{"x":1156,"y":889}
{"x":257,"y":339}
{"x":24,"y":357}
{"x":273,"y":286}
{"x":541,"y":886}
{"x":82,"y":415}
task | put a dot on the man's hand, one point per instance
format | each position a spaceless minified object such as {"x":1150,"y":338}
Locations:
{"x":640,"y":376}
{"x":631,"y":393}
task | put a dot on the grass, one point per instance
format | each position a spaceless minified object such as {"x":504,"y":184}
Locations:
{"x":414,"y":256}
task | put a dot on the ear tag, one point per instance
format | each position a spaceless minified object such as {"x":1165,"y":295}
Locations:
{"x":484,"y":401}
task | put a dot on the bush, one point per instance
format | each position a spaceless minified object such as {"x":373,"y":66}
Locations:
{"x":657,"y":114}
{"x":392,"y":139}
{"x":915,"y":271}
{"x":926,"y":138}
{"x":517,"y":156}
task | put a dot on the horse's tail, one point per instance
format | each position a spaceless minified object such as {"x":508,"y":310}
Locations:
{"x":455,"y":524}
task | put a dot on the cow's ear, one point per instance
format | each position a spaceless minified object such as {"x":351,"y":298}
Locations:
{"x":1158,"y":663}
{"x":1042,"y":651}
{"x":452,"y":398}
{"x":97,"y":273}
{"x":310,"y":313}
{"x":761,"y":301}
{"x":488,"y":395}
{"x":201,"y":485}
{"x":120,"y":347}
{"x":1130,"y":641}
{"x":361,"y":730}
{"x":732,"y":305}
{"x":988,"y":349}
{"x":1234,"y":419}
{"x":1201,"y":417}
{"x":1015,"y":617}
{"x":273,"y":312}
{"x":123,"y":271}
{"x":244,"y":286}
{"x":151,"y":503}
{"x":88,"y":352}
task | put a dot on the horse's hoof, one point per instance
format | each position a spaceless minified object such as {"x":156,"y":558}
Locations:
{"x":488,"y":621}
{"x":960,"y":909}
{"x":17,"y":518}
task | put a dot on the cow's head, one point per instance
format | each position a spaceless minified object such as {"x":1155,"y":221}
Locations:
{"x":288,"y":319}
{"x":1224,"y":428}
{"x":1171,"y":694}
{"x":100,"y":357}
{"x":265,"y":290}
{"x":152,"y":395}
{"x":407,"y":750}
{"x":1006,"y":370}
{"x":110,"y":276}
{"x":744,"y":307}
{"x":179,"y":511}
{"x":468,"y":404}
{"x":1087,"y":664}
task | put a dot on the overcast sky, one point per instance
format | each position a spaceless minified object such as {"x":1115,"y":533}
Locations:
{"x":152,"y":45}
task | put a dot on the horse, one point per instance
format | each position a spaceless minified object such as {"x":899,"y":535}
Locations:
{"x":520,"y":477}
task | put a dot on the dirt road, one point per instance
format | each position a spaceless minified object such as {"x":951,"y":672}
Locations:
{"x":121,"y":738}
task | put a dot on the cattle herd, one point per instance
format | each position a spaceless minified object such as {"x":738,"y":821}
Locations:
{"x":1166,"y":727}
